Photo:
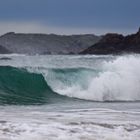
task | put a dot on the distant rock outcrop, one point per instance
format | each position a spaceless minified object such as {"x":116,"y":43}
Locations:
{"x":115,"y":44}
{"x":46,"y":44}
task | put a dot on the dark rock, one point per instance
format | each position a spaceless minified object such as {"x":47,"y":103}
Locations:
{"x":115,"y":44}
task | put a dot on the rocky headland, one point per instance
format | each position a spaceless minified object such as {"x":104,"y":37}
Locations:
{"x":111,"y":43}
{"x":115,"y":44}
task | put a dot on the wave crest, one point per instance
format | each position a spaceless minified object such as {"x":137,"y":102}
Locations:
{"x":117,"y":80}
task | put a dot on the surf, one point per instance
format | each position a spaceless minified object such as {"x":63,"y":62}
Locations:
{"x":114,"y":80}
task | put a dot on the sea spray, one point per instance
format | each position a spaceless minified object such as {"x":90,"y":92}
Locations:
{"x":116,"y":80}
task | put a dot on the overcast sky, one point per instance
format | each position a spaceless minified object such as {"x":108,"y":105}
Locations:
{"x":69,"y":16}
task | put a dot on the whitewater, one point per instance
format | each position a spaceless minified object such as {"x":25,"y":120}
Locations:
{"x":49,"y":97}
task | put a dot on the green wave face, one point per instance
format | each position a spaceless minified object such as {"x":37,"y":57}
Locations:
{"x":17,"y":86}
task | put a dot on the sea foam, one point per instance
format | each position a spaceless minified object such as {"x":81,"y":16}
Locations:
{"x":115,"y":80}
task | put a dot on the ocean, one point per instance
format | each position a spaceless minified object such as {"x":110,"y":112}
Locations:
{"x":65,"y":97}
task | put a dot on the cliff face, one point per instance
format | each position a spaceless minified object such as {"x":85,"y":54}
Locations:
{"x":115,"y":44}
{"x":46,"y":44}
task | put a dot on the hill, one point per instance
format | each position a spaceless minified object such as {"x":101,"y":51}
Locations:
{"x":46,"y":43}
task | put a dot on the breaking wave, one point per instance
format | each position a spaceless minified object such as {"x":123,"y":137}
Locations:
{"x":116,"y":80}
